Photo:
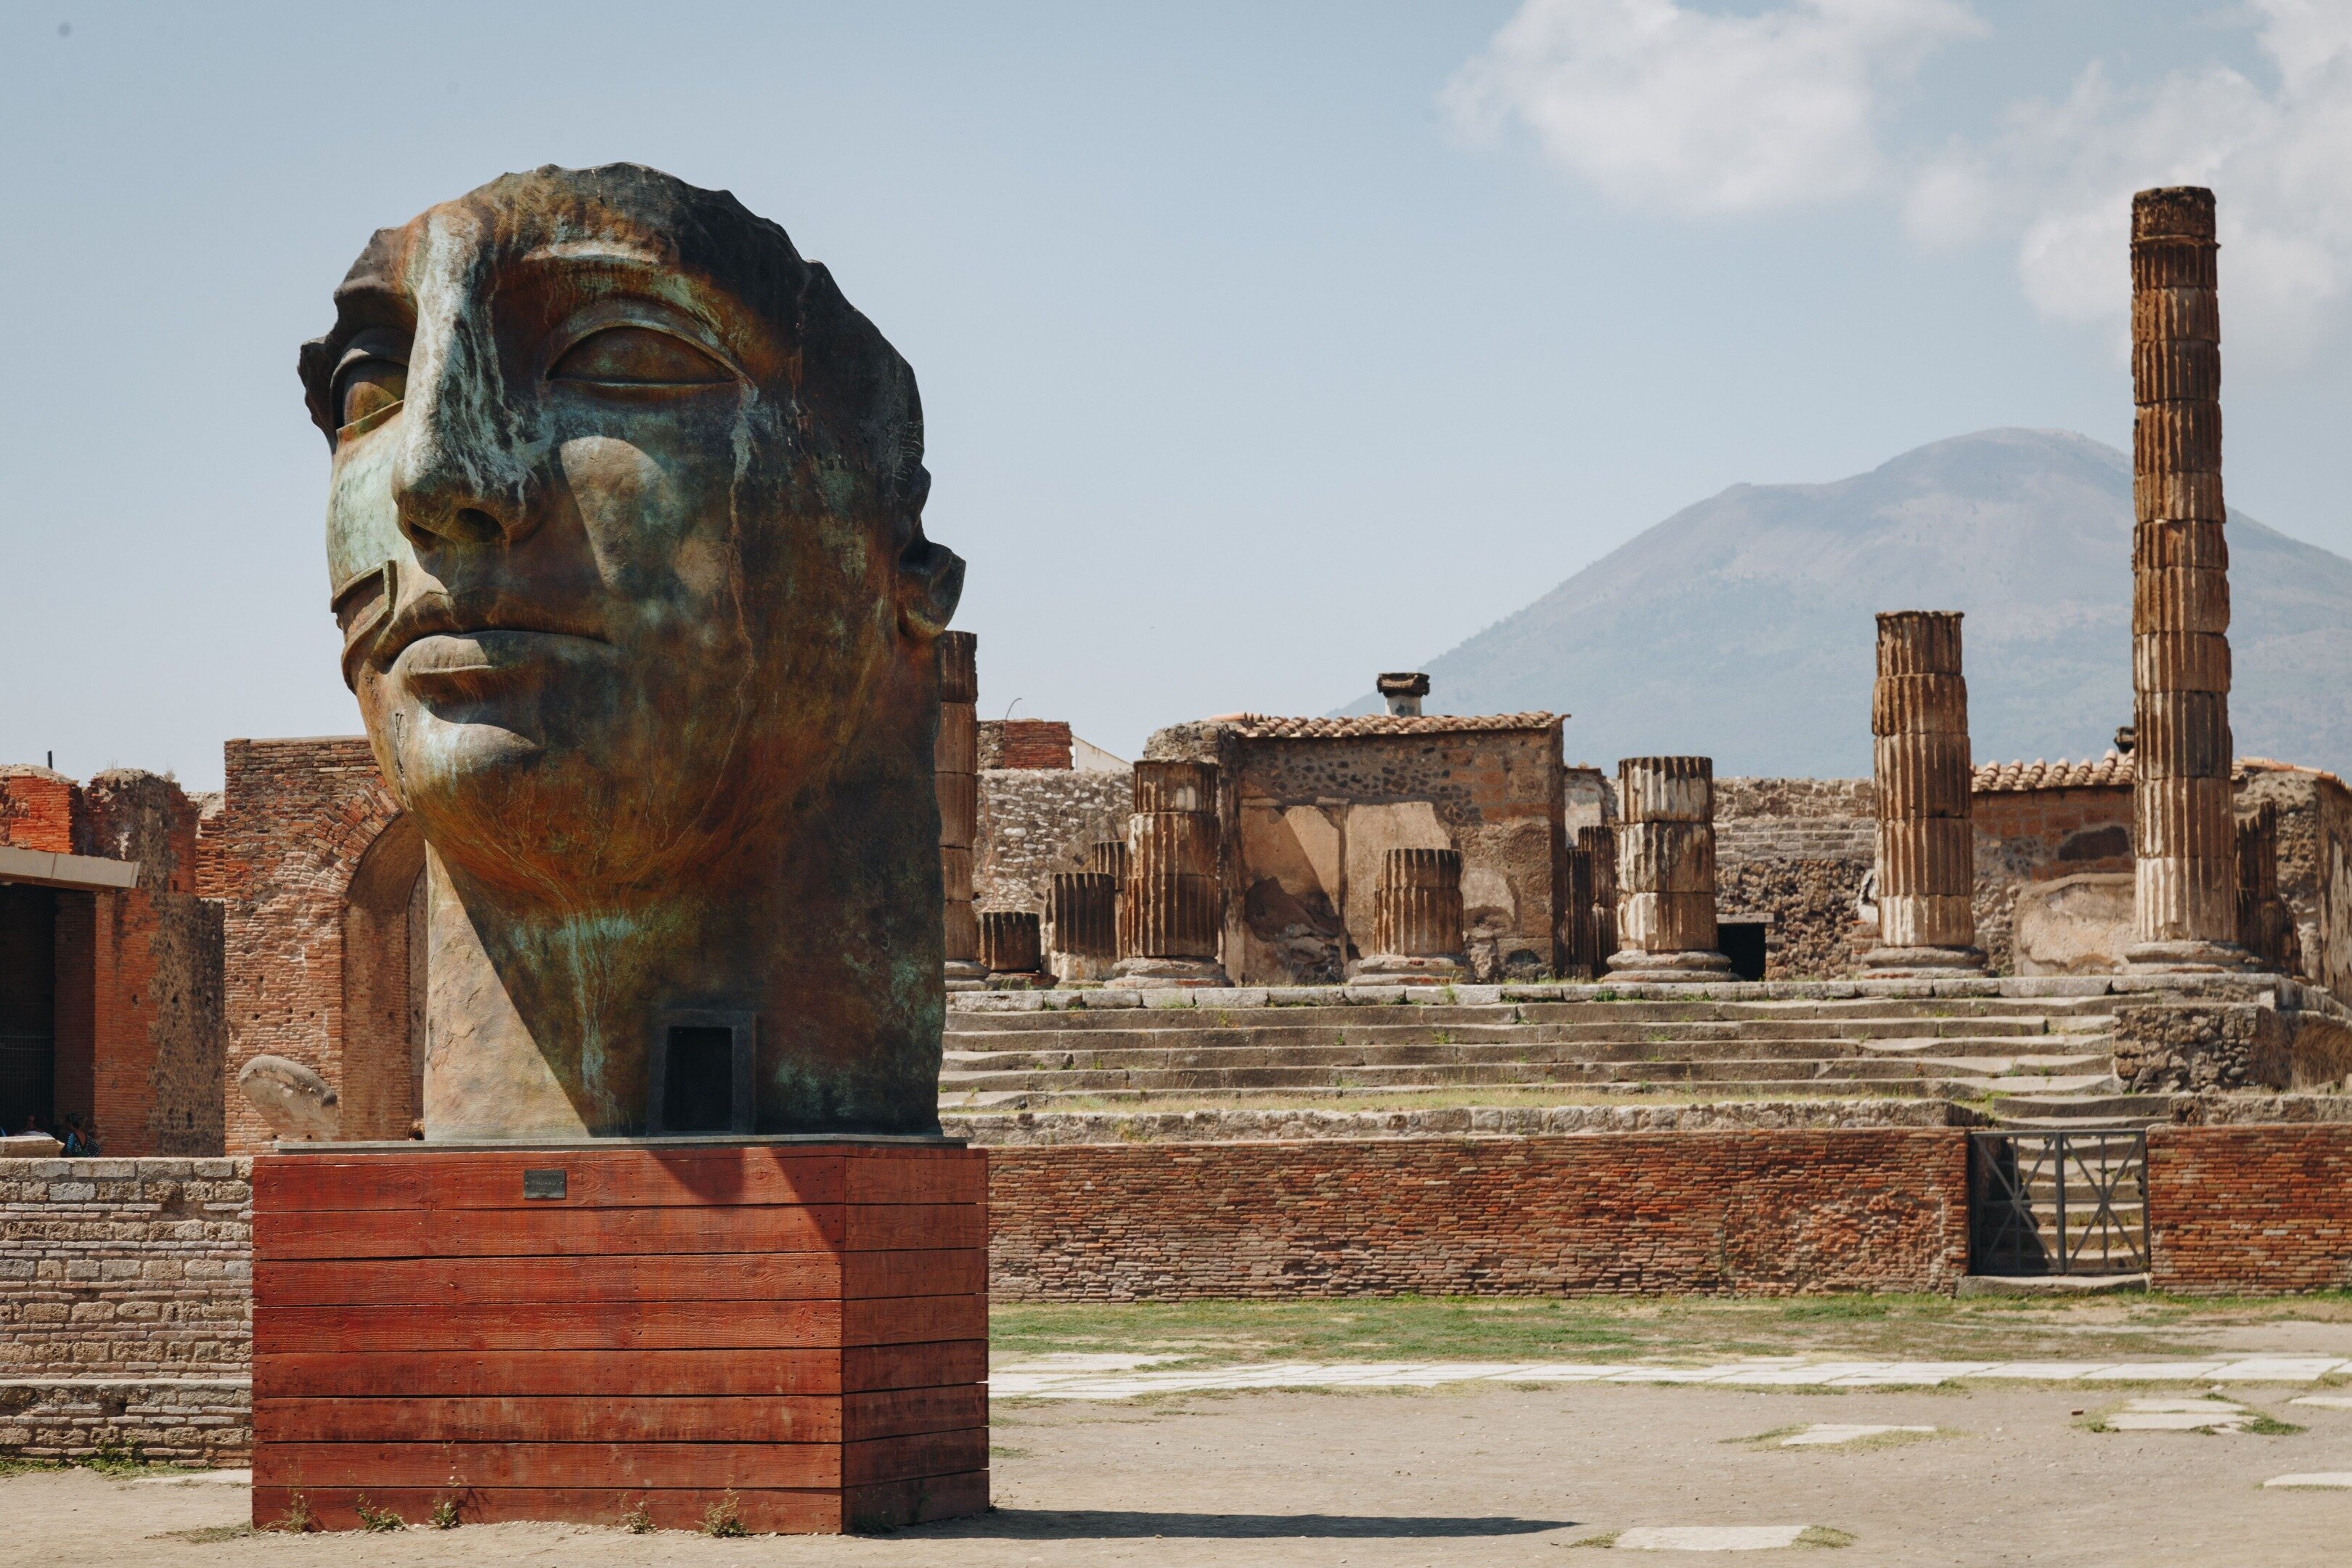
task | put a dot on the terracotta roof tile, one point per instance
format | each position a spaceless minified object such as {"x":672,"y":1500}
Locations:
{"x":2110,"y":771}
{"x":1269,"y":727}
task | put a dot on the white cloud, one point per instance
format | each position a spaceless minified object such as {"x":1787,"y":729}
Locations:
{"x":1660,"y":104}
{"x":2058,"y":177}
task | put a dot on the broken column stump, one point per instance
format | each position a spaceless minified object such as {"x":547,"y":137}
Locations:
{"x":1665,"y":871}
{"x":1110,"y":858}
{"x":2185,"y":897}
{"x":1597,"y":849}
{"x":1009,"y":944}
{"x":1417,"y":919}
{"x":957,"y":761}
{"x":1082,"y":924}
{"x":1926,"y":838}
{"x":1174,"y":910}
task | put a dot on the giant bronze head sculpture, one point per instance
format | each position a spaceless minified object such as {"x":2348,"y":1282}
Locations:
{"x":626,"y":538}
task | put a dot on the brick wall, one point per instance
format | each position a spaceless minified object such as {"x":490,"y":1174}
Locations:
{"x":119,"y":1268}
{"x":36,"y":809}
{"x":2250,"y":1210}
{"x":1024,"y":744}
{"x":1761,"y":1212}
{"x":298,"y":817}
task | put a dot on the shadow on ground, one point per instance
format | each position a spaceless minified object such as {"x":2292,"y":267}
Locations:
{"x":1119,"y":1524}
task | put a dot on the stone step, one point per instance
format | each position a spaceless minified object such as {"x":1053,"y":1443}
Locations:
{"x":1907,"y":1093}
{"x":2067,"y":1111}
{"x":1990,"y":1058}
{"x":1155,"y":1032}
{"x":1199,"y":1079}
{"x":1016,"y":1011}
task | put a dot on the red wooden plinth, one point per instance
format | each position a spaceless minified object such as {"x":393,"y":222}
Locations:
{"x":796,"y":1331}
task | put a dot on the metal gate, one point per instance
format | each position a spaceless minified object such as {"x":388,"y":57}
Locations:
{"x":2058,"y":1203}
{"x":27,"y":1090}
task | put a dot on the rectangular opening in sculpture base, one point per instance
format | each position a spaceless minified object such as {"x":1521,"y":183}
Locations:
{"x":703,"y":1073}
{"x":795,"y":1334}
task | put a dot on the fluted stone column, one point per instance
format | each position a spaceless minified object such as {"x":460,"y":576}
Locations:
{"x":1111,"y":858}
{"x":1082,"y":909}
{"x":1174,"y":908}
{"x":1008,"y":942}
{"x":1927,"y":841}
{"x":956,"y":760}
{"x":2185,"y":904}
{"x":1575,"y":887}
{"x":1597,"y":847}
{"x":2265,"y":920}
{"x":1417,"y":919}
{"x":1665,"y":871}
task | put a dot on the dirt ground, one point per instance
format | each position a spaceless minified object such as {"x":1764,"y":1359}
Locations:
{"x":1484,"y":1475}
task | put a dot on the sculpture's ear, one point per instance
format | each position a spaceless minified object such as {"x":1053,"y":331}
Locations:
{"x":931,"y":581}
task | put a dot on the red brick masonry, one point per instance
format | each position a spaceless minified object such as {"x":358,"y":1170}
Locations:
{"x":2250,"y":1210}
{"x":1764,"y":1213}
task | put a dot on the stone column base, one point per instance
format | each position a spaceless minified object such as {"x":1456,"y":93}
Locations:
{"x":2189,"y":958}
{"x":1921,"y":963}
{"x":1397,"y":969}
{"x":1074,"y":966}
{"x":1159,"y":973}
{"x":967,"y":974}
{"x":1669,"y":968}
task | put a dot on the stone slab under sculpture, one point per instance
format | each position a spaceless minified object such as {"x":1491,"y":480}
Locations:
{"x":625,"y":540}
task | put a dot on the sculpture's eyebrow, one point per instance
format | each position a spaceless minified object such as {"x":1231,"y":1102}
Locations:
{"x":363,"y":302}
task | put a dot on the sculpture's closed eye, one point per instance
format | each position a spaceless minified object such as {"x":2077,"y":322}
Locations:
{"x":367,"y":389}
{"x":637,"y":357}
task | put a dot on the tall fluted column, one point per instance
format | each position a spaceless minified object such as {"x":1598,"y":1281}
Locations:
{"x":1174,"y":908}
{"x":2185,"y":905}
{"x":1665,"y":871}
{"x":1926,"y":842}
{"x":1082,"y":909}
{"x":1417,"y":918}
{"x":956,"y":762}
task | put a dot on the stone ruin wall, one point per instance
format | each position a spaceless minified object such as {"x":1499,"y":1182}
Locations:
{"x":1793,"y":853}
{"x":1034,"y":822}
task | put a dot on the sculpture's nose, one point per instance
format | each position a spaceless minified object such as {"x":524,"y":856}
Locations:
{"x":461,"y":478}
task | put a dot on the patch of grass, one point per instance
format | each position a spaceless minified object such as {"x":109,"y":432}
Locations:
{"x":638,"y":1521}
{"x":999,"y":1451}
{"x":298,"y":1519}
{"x":206,"y":1534}
{"x":1676,"y":1327}
{"x":444,"y":1513}
{"x":2263,"y":1425}
{"x":113,"y":1457}
{"x":10,"y":1465}
{"x":725,"y":1518}
{"x":1606,"y":1538}
{"x":376,"y":1521}
{"x":1823,"y":1535}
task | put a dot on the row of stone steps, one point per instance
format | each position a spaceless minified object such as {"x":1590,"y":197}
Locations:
{"x":1004,"y":1053}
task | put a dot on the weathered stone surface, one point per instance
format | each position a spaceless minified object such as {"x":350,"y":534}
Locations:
{"x":2073,"y":925}
{"x":1417,"y":916}
{"x":1009,"y":942}
{"x":1927,"y":844}
{"x":294,"y":1101}
{"x":2179,"y":1047}
{"x":1174,"y":903}
{"x":624,"y":539}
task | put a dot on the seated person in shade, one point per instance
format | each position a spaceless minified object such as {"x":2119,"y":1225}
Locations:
{"x":78,"y":1143}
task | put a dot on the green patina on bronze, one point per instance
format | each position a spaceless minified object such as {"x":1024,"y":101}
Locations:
{"x":626,"y":538}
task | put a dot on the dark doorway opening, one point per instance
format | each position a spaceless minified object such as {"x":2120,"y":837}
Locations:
{"x":698,"y":1093}
{"x":1742,"y":942}
{"x":28,"y":985}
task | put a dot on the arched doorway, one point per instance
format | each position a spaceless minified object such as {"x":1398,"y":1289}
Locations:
{"x":383,"y":986}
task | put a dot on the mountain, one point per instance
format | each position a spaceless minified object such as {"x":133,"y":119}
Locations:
{"x":1740,"y":629}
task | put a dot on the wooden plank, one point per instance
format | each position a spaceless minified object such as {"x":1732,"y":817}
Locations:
{"x":914,"y":1320}
{"x":616,"y":1465}
{"x":556,"y":1231}
{"x":900,"y":1412}
{"x":943,"y":1364}
{"x":687,"y":1372}
{"x":763,"y":1510}
{"x":613,"y":1418}
{"x":593,"y":1178}
{"x":914,"y":1456}
{"x":692,"y":1277}
{"x":580,"y":1325}
{"x":548,"y":1233}
{"x":891,"y":1504}
{"x":875,"y":1175}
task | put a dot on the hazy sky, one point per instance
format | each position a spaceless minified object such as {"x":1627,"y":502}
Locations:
{"x":1261,"y":346}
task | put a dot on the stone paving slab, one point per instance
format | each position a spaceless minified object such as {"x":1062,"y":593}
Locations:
{"x":1709,"y":1537}
{"x":1129,"y":1378}
{"x":2315,"y":1480}
{"x":1826,"y":1435}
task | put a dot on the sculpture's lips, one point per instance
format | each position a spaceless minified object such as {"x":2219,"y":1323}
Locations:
{"x":478,"y":660}
{"x":485,"y":619}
